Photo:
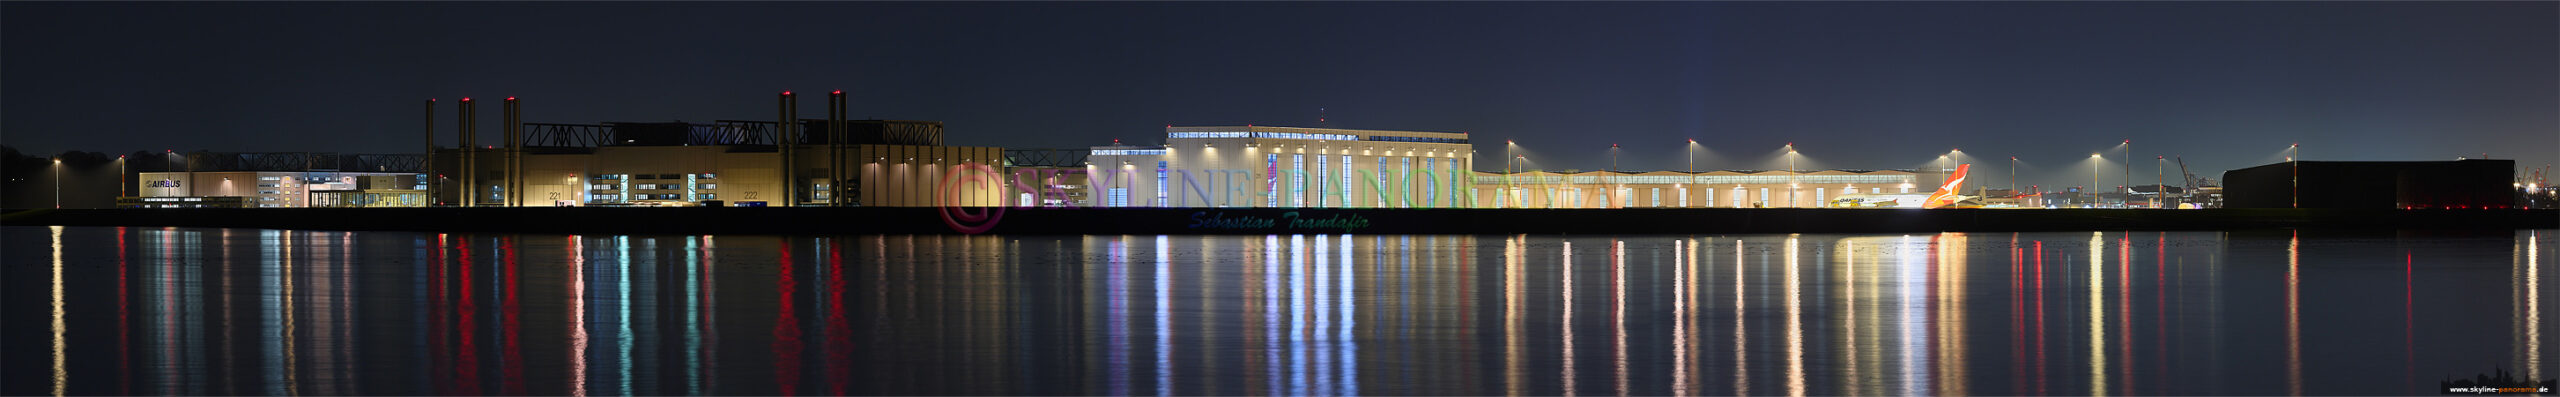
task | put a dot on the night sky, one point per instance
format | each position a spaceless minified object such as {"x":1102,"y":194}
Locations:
{"x":1853,"y":85}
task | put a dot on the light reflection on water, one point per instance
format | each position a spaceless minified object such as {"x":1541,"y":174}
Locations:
{"x":224,"y":311}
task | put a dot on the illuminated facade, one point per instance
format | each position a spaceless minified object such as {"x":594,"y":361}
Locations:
{"x":277,"y":189}
{"x":891,"y":163}
{"x":1283,"y":167}
{"x":1713,"y":189}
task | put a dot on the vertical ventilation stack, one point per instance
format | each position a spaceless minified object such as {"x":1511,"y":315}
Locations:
{"x":785,"y":141}
{"x":470,"y":193}
{"x":428,"y":178}
{"x":512,"y":130}
{"x":835,"y":149}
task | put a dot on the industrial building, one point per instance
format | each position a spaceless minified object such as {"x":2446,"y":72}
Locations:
{"x":2460,"y":184}
{"x":1712,"y":189}
{"x":1292,"y":167}
{"x":282,"y":180}
{"x":805,"y":162}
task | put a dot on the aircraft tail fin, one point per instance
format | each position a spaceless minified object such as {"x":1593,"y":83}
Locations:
{"x":1946,"y":194}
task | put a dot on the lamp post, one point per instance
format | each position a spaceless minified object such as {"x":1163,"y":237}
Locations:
{"x":2127,"y":178}
{"x":57,"y":183}
{"x":2293,"y":159}
{"x":1506,"y":153}
{"x":2096,"y":177}
{"x":1793,"y":176}
{"x":2157,"y":179}
{"x":119,"y":176}
{"x":1691,"y":153}
{"x":2013,"y":175}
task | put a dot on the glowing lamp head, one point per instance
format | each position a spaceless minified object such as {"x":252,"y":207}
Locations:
{"x":786,"y":93}
{"x":466,"y":99}
{"x":2093,"y":155}
{"x":838,"y":92}
{"x":511,"y":98}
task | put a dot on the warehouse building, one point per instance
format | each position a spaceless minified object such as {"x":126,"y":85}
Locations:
{"x":2460,"y":184}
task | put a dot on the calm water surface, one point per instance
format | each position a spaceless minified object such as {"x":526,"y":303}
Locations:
{"x":104,"y":310}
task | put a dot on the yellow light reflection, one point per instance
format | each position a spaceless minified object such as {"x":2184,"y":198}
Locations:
{"x":1950,"y":305}
{"x":2097,"y":314}
{"x":577,"y":317}
{"x":1849,"y":370}
{"x":1618,"y":311}
{"x":61,"y":373}
{"x":1511,"y":343}
{"x":1795,"y":322}
{"x":2533,"y":305}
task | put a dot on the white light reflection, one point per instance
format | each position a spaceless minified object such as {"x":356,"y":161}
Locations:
{"x":1741,"y":351}
{"x":1911,"y":260}
{"x":1680,"y":317}
{"x":1795,"y":322}
{"x":1567,"y":324}
{"x":1350,"y":347}
{"x":1322,"y":309}
{"x":1164,"y":316}
{"x":1116,"y":324}
{"x":1271,"y":313}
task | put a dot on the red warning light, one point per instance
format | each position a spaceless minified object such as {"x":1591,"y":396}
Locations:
{"x":839,"y":92}
{"x":511,"y":98}
{"x":466,"y":99}
{"x":786,"y":93}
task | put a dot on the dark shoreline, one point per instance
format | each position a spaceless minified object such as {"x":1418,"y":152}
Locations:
{"x":869,"y":220}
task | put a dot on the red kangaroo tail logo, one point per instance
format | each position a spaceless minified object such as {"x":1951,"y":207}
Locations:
{"x":1946,"y":194}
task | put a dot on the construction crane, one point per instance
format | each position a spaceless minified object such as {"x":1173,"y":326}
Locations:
{"x":2187,"y":196}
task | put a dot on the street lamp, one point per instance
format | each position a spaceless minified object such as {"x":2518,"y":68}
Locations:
{"x":2013,"y":175}
{"x":2158,"y":179}
{"x":1507,"y":145}
{"x":1793,"y":176}
{"x":119,"y":176}
{"x":2292,"y":159}
{"x":57,"y":183}
{"x":1613,"y":157}
{"x":2096,"y":178}
{"x":1691,"y":153}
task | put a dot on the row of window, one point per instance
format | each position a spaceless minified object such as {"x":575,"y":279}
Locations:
{"x":1272,"y":135}
{"x":1128,"y":152}
{"x":1417,"y":139}
{"x":656,"y":176}
{"x":652,"y":186}
{"x":1697,"y":179}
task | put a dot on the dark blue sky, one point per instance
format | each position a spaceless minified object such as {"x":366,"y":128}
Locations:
{"x":1854,"y":85}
